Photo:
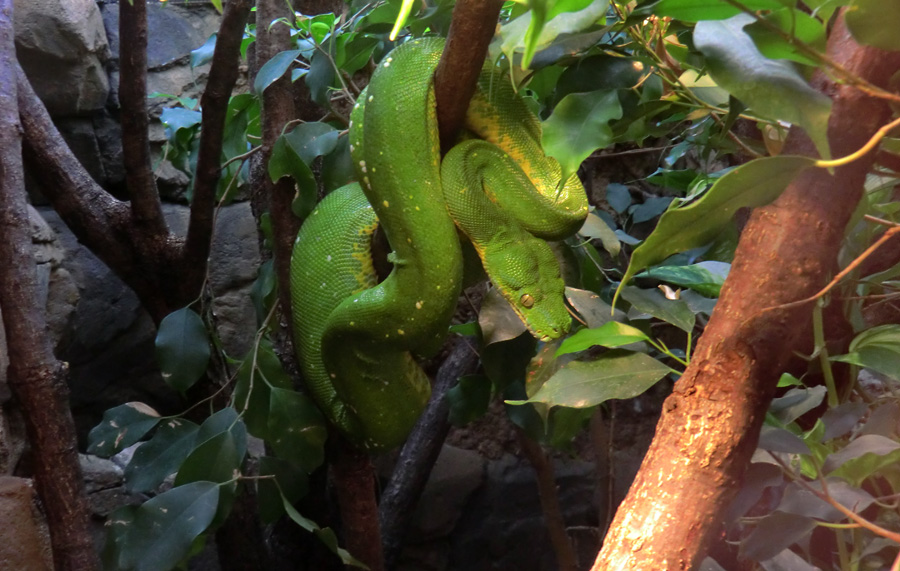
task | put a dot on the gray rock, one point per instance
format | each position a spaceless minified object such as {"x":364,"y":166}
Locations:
{"x":62,"y":47}
{"x":108,"y":338}
{"x":456,"y":475}
{"x":174,"y":30}
{"x":503,"y":526}
{"x":100,"y":473}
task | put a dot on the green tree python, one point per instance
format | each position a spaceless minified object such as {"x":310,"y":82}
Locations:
{"x":356,"y":337}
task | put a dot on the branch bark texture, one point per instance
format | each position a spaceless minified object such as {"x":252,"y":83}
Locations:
{"x":710,"y":424}
{"x":37,"y":379}
{"x":471,"y":30}
{"x":419,"y":454}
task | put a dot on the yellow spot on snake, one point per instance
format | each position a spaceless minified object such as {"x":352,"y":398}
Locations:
{"x":401,"y":332}
{"x":371,"y":97}
{"x":386,"y":204}
{"x":419,"y":304}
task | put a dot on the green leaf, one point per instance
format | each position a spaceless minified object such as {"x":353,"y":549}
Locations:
{"x":325,"y":535}
{"x":320,"y":78}
{"x":297,"y":429}
{"x":285,"y":161}
{"x":204,"y":53}
{"x":696,"y":10}
{"x":337,"y":166}
{"x":653,"y":302}
{"x":598,"y":72}
{"x":772,"y":88}
{"x":497,"y":319}
{"x":161,"y":456}
{"x":469,"y":329}
{"x":121,"y":427}
{"x":800,"y":26}
{"x":220,"y":452}
{"x":272,"y":70}
{"x":565,"y":424}
{"x":681,"y":228}
{"x":182,"y":348}
{"x":289,"y":480}
{"x":596,"y":228}
{"x":874,"y":23}
{"x":578,"y":126}
{"x":612,"y":334}
{"x":469,"y":399}
{"x":311,"y":140}
{"x":164,"y":527}
{"x":504,"y":362}
{"x":612,"y":376}
{"x":593,"y":310}
{"x":877,"y":348}
{"x":217,"y":4}
{"x":862,"y":458}
{"x":706,"y":278}
{"x":524,"y":35}
{"x":259,"y":372}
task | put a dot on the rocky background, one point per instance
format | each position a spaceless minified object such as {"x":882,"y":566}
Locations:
{"x":481,"y":508}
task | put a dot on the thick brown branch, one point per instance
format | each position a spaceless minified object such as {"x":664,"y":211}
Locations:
{"x":471,"y":30}
{"x":145,"y":205}
{"x":37,"y":379}
{"x":710,"y":424}
{"x":223,"y":74}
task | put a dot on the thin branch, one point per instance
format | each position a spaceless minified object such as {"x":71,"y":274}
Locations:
{"x":222,"y":77}
{"x":420,"y":452}
{"x":553,"y":516}
{"x":145,"y":205}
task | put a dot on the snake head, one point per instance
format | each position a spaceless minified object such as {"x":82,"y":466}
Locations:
{"x":527,"y":275}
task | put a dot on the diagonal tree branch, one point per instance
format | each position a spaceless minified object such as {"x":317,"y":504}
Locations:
{"x":710,"y":424}
{"x":145,"y":205}
{"x":37,"y":379}
{"x":92,"y":214}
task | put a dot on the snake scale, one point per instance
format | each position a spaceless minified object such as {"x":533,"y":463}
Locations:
{"x":356,"y":338}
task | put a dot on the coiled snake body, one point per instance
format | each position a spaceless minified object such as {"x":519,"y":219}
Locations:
{"x":355,"y":337}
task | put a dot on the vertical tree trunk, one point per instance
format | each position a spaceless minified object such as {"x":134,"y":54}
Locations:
{"x":37,"y":379}
{"x":710,"y":424}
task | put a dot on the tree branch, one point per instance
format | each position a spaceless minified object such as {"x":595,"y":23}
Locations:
{"x":223,"y":74}
{"x":471,"y":31}
{"x":38,"y":380}
{"x":145,"y":205}
{"x":278,"y":110}
{"x":710,"y":424}
{"x":419,"y":454}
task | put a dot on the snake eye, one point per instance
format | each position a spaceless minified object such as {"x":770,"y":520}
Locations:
{"x":527,"y":301}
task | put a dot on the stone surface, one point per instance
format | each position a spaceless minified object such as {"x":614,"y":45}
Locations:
{"x":62,"y":47}
{"x":174,"y":30}
{"x":24,"y":542}
{"x":502,"y":526}
{"x":104,"y":482}
{"x":478,"y":514}
{"x":109,"y":339}
{"x":57,"y":292}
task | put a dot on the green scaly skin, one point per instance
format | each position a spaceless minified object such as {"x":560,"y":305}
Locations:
{"x":355,"y":339}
